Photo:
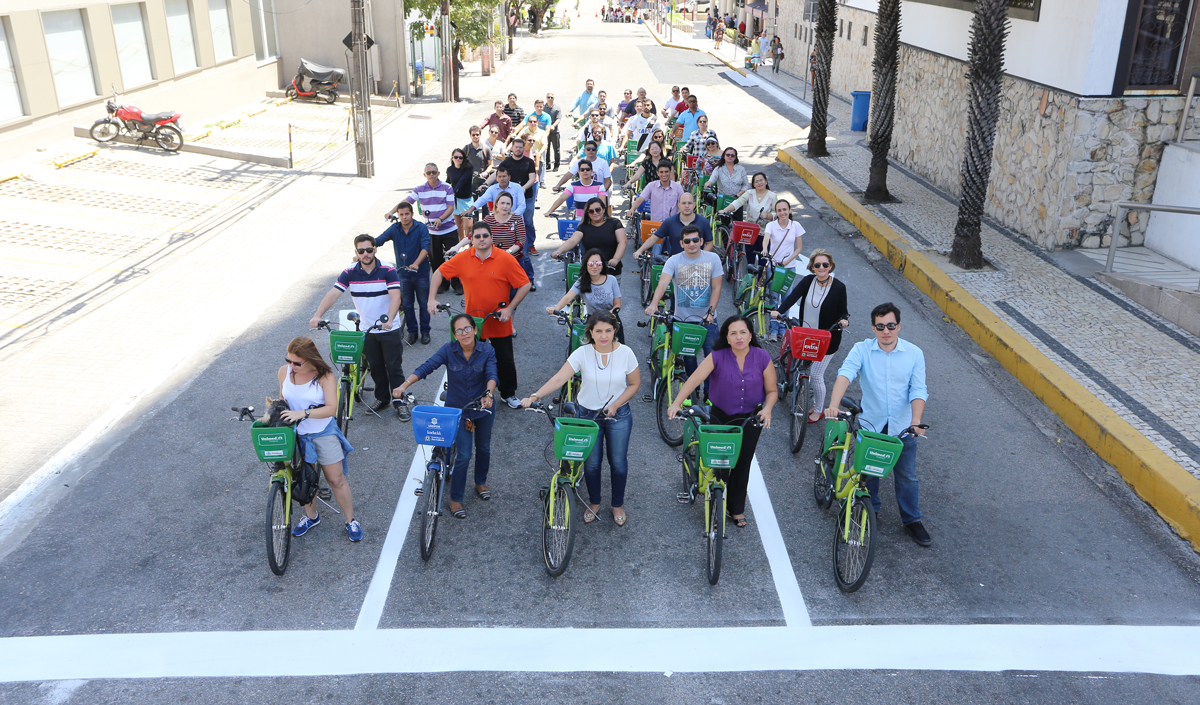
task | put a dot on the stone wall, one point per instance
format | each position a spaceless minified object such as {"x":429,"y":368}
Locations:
{"x":851,"y":60}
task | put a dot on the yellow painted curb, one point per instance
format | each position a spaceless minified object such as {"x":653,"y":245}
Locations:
{"x":1163,"y":483}
{"x":10,"y":177}
{"x":76,"y":158}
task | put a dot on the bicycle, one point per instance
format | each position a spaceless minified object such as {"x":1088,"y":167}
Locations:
{"x":575,"y":317}
{"x":800,"y":348}
{"x":709,"y":454}
{"x":574,"y":439}
{"x":875,"y":455}
{"x":649,"y":269}
{"x":742,"y":237}
{"x":345,"y":349}
{"x":751,"y":298}
{"x":436,"y":426}
{"x":670,"y":342}
{"x":292,"y":479}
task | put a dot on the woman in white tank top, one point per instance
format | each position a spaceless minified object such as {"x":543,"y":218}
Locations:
{"x":308,"y":385}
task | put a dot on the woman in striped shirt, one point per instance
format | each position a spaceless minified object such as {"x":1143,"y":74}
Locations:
{"x":508,"y":228}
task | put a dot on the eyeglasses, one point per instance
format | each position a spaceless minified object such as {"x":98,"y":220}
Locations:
{"x":480,"y":236}
{"x":889,"y":326}
{"x":731,"y":155}
{"x":690,"y":240}
{"x":464,"y":330}
{"x":292,"y":362}
{"x":365,"y":250}
{"x":595,"y":210}
{"x":457,"y":156}
{"x":493,"y":132}
{"x":431,"y":173}
{"x":589,"y":149}
{"x":822,"y":265}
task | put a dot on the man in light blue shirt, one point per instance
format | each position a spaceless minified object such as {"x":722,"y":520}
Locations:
{"x":688,"y":117}
{"x":587,"y":100}
{"x":891,"y":373}
{"x":502,"y":184}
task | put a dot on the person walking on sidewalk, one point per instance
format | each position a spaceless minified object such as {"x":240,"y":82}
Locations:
{"x":776,"y":54}
{"x":489,"y":277}
{"x":375,"y":290}
{"x":435,"y":199}
{"x":718,"y":35}
{"x":410,"y":241}
{"x":891,"y":372}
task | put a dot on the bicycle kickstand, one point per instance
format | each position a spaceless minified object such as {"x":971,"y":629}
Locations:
{"x":322,"y":494}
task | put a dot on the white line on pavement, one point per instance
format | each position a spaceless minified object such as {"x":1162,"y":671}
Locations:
{"x":381,"y":582}
{"x":977,"y":647}
{"x":795,"y":613}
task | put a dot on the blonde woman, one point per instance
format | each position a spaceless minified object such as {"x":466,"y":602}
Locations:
{"x":822,"y":302}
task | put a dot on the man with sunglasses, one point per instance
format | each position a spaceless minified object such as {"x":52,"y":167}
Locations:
{"x":375,"y":290}
{"x":491,"y":277}
{"x":411,"y":243}
{"x":891,"y":372}
{"x":435,"y":199}
{"x":698,"y":276}
{"x":670,"y":232}
{"x":552,"y":139}
{"x":688,"y":117}
{"x":479,"y":155}
{"x":599,"y":165}
{"x":582,"y":191}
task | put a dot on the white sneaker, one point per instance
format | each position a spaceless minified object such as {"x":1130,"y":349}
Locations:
{"x":514,"y":402}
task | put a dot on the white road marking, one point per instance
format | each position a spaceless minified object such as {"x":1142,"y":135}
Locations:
{"x":381,"y":582}
{"x":795,"y":613}
{"x":1055,"y":648}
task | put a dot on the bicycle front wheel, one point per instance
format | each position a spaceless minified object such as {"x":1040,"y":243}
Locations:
{"x":823,"y":473}
{"x":431,"y":491}
{"x":343,"y":407}
{"x":801,"y":400}
{"x":670,"y":429}
{"x":647,"y":292}
{"x":279,"y":534}
{"x":558,"y":531}
{"x":715,"y":533}
{"x":854,"y":544}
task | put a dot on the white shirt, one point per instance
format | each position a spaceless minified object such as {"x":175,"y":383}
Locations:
{"x":781,"y":243}
{"x":600,"y":165}
{"x":639,"y":125}
{"x":305,"y":396}
{"x":602,"y":384}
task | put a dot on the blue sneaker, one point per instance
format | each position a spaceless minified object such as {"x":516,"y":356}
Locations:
{"x":354,"y":530}
{"x":304,"y":525}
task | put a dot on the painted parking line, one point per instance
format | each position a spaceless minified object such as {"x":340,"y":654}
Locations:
{"x":795,"y":613}
{"x":1056,"y":648}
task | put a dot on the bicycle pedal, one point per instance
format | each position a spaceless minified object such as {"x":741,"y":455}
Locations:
{"x":325,"y":493}
{"x":368,"y":389}
{"x":683,"y":498}
{"x":648,"y":398}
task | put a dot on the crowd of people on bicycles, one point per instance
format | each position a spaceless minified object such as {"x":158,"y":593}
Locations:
{"x":674,"y":168}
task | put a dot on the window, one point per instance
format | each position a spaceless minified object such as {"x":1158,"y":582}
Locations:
{"x":866,"y":31}
{"x":70,"y":56}
{"x":222,"y":36}
{"x":183,"y":37}
{"x":10,"y":91}
{"x":262,"y":19}
{"x":129,"y":28}
{"x":1158,"y":43}
{"x":849,"y":31}
{"x":841,"y":27}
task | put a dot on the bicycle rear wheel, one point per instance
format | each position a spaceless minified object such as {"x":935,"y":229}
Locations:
{"x":431,"y":492}
{"x":558,"y":531}
{"x":823,"y":473}
{"x":670,"y":429}
{"x":647,"y":292}
{"x":854,"y":549}
{"x":801,"y":401}
{"x":343,"y":407}
{"x":691,"y":467}
{"x":279,"y":534}
{"x":714,"y":534}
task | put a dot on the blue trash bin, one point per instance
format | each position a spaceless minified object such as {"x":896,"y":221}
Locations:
{"x":861,"y":110}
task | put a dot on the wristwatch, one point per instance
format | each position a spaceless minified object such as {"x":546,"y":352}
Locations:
{"x":306,"y":412}
{"x":488,"y":394}
{"x":535,"y":396}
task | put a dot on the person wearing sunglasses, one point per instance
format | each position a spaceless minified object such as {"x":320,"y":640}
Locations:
{"x":698,"y":276}
{"x":599,"y":164}
{"x":582,"y":191}
{"x":600,"y":290}
{"x":698,"y":142}
{"x":435,"y":199}
{"x":600,"y":232}
{"x":891,"y":372}
{"x":410,"y":241}
{"x":625,"y":98}
{"x":309,"y":386}
{"x":375,"y":290}
{"x":822,"y":303}
{"x":552,"y":139}
{"x":688,"y":118}
{"x":497,"y":151}
{"x":479,"y":156}
{"x":729,"y":177}
{"x":471,"y":374}
{"x":671,"y":102}
{"x":461,"y":177}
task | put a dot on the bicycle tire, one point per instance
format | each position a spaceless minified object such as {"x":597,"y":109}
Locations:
{"x":801,"y":401}
{"x":558,"y":531}
{"x":732,"y":258}
{"x":647,"y":292}
{"x":691,"y":469}
{"x":279,"y":534}
{"x":671,"y":430}
{"x":852,"y":557}
{"x":343,"y":407}
{"x":824,"y":470}
{"x":714,"y":534}
{"x":739,"y":274}
{"x":431,"y":492}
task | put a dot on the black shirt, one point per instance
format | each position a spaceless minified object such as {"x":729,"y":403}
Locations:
{"x":478,"y":158}
{"x":519,"y":171}
{"x":602,"y":237}
{"x":555,"y":113}
{"x":460,"y":180}
{"x":515,"y":113}
{"x":833,"y":306}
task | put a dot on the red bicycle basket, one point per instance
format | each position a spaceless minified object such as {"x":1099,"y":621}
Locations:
{"x":691,"y":162}
{"x":744,"y":233}
{"x":808,"y":343}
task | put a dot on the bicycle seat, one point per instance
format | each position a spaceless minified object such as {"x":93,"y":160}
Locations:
{"x":851,"y":405}
{"x":753,"y":268}
{"x":568,"y":409}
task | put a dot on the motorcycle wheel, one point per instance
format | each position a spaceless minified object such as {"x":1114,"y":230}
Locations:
{"x":329,"y":96}
{"x":291,"y":93}
{"x":169,"y":138}
{"x":104,"y":131}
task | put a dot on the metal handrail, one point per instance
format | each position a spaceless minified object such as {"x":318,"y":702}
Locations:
{"x":1187,"y":106}
{"x":1122,"y":207}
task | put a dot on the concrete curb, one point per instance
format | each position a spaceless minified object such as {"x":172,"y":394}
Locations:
{"x":680,"y":46}
{"x":1164,"y":484}
{"x":281,"y":162}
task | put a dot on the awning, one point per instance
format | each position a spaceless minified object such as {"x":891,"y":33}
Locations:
{"x":758,"y":9}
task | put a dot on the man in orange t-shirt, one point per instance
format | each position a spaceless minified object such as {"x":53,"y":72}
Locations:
{"x":489,"y":277}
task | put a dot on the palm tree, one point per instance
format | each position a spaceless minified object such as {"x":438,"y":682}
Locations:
{"x":883,"y":96}
{"x":826,"y":22}
{"x":985,"y":74}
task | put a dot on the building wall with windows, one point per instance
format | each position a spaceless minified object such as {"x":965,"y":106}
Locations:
{"x":60,"y":61}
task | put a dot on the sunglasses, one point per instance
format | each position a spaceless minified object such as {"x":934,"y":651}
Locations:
{"x":822,"y":265}
{"x":365,"y":250}
{"x":480,"y":236}
{"x":457,"y":156}
{"x":731,"y":155}
{"x":595,"y":264}
{"x":292,"y":362}
{"x":464,"y":331}
{"x":595,"y":210}
{"x":582,"y":170}
{"x":889,"y":326}
{"x":431,"y":173}
{"x":589,"y":149}
{"x":690,"y":240}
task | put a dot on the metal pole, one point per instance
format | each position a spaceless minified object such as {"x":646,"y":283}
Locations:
{"x":291,"y":164}
{"x":361,"y":91}
{"x":1112,"y":240}
{"x":402,"y":49}
{"x":447,"y":59}
{"x":1187,"y":106}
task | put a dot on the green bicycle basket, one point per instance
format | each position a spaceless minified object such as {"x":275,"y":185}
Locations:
{"x":782,"y":279}
{"x":687,"y":338}
{"x":572,"y":274}
{"x":345,"y":346}
{"x":655,"y":273}
{"x":723,"y":201}
{"x":574,"y":438}
{"x":720,"y":445}
{"x":875,"y":454}
{"x":577,"y":331}
{"x":273,"y":444}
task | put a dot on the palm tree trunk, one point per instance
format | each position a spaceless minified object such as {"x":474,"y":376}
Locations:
{"x":823,"y":67}
{"x":985,"y":74}
{"x":883,"y":96}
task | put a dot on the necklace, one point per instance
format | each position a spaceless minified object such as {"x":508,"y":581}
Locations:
{"x":813,"y":300}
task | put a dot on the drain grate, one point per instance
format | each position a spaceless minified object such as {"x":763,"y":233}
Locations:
{"x":70,"y":240}
{"x":71,"y":197}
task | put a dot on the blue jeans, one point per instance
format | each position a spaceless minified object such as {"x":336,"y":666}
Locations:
{"x":414,"y":292}
{"x":905,"y":476}
{"x":483,"y":455}
{"x":527,"y":265}
{"x":613,"y":438}
{"x":530,"y":205}
{"x":690,"y":363}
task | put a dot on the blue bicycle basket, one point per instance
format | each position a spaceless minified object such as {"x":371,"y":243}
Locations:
{"x":566,"y":228}
{"x":644,"y":209}
{"x":435,"y":425}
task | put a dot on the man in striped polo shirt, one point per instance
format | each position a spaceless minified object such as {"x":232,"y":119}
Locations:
{"x":435,"y":200}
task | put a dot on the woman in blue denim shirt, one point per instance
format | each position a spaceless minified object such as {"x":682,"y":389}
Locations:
{"x":470,"y":374}
{"x":609,"y":378}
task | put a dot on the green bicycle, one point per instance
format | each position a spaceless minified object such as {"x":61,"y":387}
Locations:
{"x":573,"y":441}
{"x":670,"y":342}
{"x":575,"y":317}
{"x":345,"y":349}
{"x":875,"y":455}
{"x":709,"y":453}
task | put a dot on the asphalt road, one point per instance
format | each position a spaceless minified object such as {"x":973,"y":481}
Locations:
{"x":159,"y":526}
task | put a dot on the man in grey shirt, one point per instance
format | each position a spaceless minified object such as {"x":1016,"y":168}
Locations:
{"x":697,"y":275}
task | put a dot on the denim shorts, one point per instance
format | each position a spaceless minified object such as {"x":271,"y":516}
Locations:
{"x":329,"y":449}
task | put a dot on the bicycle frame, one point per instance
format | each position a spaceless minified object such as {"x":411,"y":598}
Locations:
{"x":848,"y":480}
{"x":706,"y":477}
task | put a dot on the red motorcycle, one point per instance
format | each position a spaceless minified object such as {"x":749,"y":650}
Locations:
{"x":163,"y":128}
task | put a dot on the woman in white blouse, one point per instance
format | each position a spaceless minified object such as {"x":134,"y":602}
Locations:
{"x":610,"y":377}
{"x":783,"y":244}
{"x":757,"y":202}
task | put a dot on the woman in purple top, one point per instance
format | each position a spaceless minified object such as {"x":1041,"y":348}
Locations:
{"x":743,"y":378}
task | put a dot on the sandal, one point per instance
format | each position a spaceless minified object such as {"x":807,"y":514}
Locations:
{"x":619,"y":520}
{"x":589,"y":514}
{"x":483,"y":494}
{"x":739,"y":523}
